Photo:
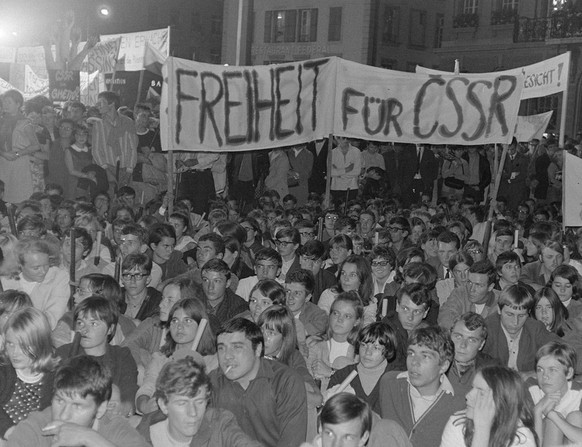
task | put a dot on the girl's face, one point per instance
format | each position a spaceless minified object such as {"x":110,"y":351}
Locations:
{"x":83,"y":291}
{"x":273,"y":341}
{"x":415,"y":233}
{"x":349,"y":279}
{"x":461,"y":273}
{"x":18,"y":358}
{"x":80,"y":138}
{"x":338,"y":254}
{"x":480,"y":390}
{"x":229,"y":257}
{"x":531,"y":248}
{"x":183,"y":328}
{"x":163,"y":249}
{"x":431,"y":248}
{"x":552,"y":376}
{"x":170,"y":296}
{"x":342,"y":318}
{"x":544,"y":312}
{"x":93,"y":332}
{"x":563,"y":288}
{"x":371,"y":354}
{"x":258,"y":303}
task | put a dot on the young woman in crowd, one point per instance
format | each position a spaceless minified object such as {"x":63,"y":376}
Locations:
{"x":550,"y":310}
{"x":565,"y":281}
{"x":340,"y":247}
{"x":10,"y":302}
{"x":264,"y":294}
{"x":161,"y":243}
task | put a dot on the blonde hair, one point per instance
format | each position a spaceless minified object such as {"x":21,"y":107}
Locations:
{"x":32,"y":331}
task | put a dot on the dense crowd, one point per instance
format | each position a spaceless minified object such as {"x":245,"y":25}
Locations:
{"x":244,"y":308}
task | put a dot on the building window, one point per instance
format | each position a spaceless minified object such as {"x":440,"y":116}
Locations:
{"x":280,"y":26}
{"x":308,"y":25}
{"x":417,"y":29}
{"x":391,"y":25}
{"x":334,"y":33}
{"x":438,"y":33}
{"x":509,"y":4}
{"x":470,"y":6}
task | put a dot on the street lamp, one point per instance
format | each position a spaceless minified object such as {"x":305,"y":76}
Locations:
{"x":104,"y":11}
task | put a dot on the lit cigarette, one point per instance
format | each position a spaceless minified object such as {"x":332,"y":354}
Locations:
{"x":227,"y":370}
{"x":384,"y":307}
{"x":347,"y":381}
{"x":50,"y":427}
{"x":516,"y":239}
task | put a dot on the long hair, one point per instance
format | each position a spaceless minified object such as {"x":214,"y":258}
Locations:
{"x":364,"y":272}
{"x":560,"y":311}
{"x":570,"y":274}
{"x":280,"y":319}
{"x":32,"y":331}
{"x":352,"y":298}
{"x":513,"y":407}
{"x":195,"y":310}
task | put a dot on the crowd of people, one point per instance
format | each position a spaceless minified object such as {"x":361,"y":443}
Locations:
{"x":245,"y":308}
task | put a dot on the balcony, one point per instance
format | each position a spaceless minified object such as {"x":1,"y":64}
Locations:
{"x":560,"y":25}
{"x":469,"y":20}
{"x":504,"y":16}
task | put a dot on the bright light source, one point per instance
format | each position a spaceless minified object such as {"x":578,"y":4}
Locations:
{"x":104,"y":11}
{"x":14,"y":33}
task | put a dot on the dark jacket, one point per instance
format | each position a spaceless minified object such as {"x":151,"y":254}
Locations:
{"x":149,"y":307}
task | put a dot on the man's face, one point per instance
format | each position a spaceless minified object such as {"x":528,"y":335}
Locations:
{"x":424,"y":368}
{"x":551,"y":259}
{"x":214,"y":285}
{"x":512,"y":319}
{"x":307,"y":234}
{"x":446,"y":251}
{"x":503,"y":244}
{"x":130,"y":244}
{"x":478,"y":287}
{"x":103,"y":106}
{"x":285,"y":246}
{"x":467,"y":343}
{"x":345,"y":434}
{"x":35,"y":266}
{"x":366,"y":223}
{"x":185,"y":414}
{"x":205,"y":253}
{"x":330,"y":220}
{"x":510,"y":272}
{"x":296,"y":296}
{"x":237,"y":356}
{"x":267,"y":269}
{"x":552,"y":376}
{"x":135,"y":280}
{"x":75,"y":409}
{"x":410,"y":314}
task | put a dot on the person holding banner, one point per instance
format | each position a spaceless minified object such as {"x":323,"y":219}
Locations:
{"x":195,"y":180}
{"x":513,"y":177}
{"x":346,"y":166}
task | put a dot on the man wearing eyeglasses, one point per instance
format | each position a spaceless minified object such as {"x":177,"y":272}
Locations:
{"x":287,"y":241}
{"x":477,"y":295}
{"x":469,"y":333}
{"x":141,"y":301}
{"x":311,"y":256}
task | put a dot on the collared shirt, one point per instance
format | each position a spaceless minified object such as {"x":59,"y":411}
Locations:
{"x":114,"y":140}
{"x":512,"y":347}
{"x":421,"y":404}
{"x":340,"y":179}
{"x":205,"y":159}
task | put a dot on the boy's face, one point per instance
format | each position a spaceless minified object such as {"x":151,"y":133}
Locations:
{"x":410,"y":315}
{"x":467,"y":343}
{"x":446,"y":251}
{"x":503,"y":244}
{"x":75,"y":409}
{"x":512,"y":319}
{"x":552,"y":376}
{"x":296,"y":296}
{"x":205,"y":253}
{"x":130,"y":244}
{"x":267,"y":269}
{"x":185,"y":414}
{"x":214,"y":285}
{"x":510,"y":272}
{"x":346,"y":434}
{"x":425,"y":369}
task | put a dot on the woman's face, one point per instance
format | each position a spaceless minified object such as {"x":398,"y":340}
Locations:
{"x":10,"y":106}
{"x":18,"y":358}
{"x":371,"y":354}
{"x":544,"y":312}
{"x":415,"y":233}
{"x":349,"y":279}
{"x":563,"y":288}
{"x":170,"y":296}
{"x":431,"y":248}
{"x":229,"y":257}
{"x":480,"y":391}
{"x":258,"y":303}
{"x":531,"y":248}
{"x":183,"y":328}
{"x":178,"y":225}
{"x":338,"y":254}
{"x":273,"y":341}
{"x":461,"y":274}
{"x":342,"y":318}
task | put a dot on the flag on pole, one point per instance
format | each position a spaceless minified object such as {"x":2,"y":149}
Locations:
{"x":572,"y":190}
{"x":153,"y":59}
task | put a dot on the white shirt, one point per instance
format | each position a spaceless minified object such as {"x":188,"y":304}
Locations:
{"x":340,"y":179}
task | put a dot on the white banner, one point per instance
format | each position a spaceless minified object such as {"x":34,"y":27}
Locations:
{"x":572,"y":191}
{"x":5,"y":86}
{"x":541,"y":79}
{"x":132,"y":47}
{"x":7,"y":55}
{"x":217,"y":108}
{"x":532,"y":126}
{"x":102,"y":57}
{"x":34,"y":85}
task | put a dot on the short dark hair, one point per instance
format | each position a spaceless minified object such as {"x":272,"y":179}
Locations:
{"x":110,"y":97}
{"x":251,"y":331}
{"x":505,"y":258}
{"x":383,"y":334}
{"x":216,"y":240}
{"x":485,"y":267}
{"x":84,"y":376}
{"x":472,"y":322}
{"x":384,"y":252}
{"x":448,"y":237}
{"x":417,"y":293}
{"x":291,"y":233}
{"x":269,"y":254}
{"x":140,"y":260}
{"x":135,"y":230}
{"x":517,"y":296}
{"x":434,"y":338}
{"x":218,"y":266}
{"x":160,"y":231}
{"x":303,"y":277}
{"x":345,"y":407}
{"x":182,"y":377}
{"x":100,"y":308}
{"x":313,"y":248}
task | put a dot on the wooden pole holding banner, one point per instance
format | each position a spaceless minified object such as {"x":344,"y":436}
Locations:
{"x":563,"y":114}
{"x":139,"y":85}
{"x":72,"y":265}
{"x":327,"y":201}
{"x":10,"y":209}
{"x":170,"y":192}
{"x":493,"y":197}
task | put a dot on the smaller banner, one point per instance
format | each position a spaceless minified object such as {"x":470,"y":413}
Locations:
{"x":64,"y":85}
{"x":572,"y":190}
{"x":532,"y":126}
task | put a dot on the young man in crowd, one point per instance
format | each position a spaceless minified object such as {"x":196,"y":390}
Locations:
{"x":77,"y":415}
{"x":503,"y":243}
{"x":514,"y":336}
{"x":141,"y":300}
{"x":448,"y":245}
{"x":267,"y":397}
{"x":267,"y":266}
{"x":477,"y":295}
{"x":221,"y":302}
{"x":299,"y":285}
{"x":422,"y":399}
{"x":311,"y":257}
{"x":287,"y":241}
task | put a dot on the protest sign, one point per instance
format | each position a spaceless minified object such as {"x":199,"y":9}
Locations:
{"x":217,"y":108}
{"x":64,"y":85}
{"x":132,"y":47}
{"x":102,"y":57}
{"x":533,"y":126}
{"x":540,"y":79}
{"x":572,"y":191}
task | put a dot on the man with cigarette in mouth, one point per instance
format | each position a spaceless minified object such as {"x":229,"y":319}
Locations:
{"x":267,"y":397}
{"x":78,"y":412}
